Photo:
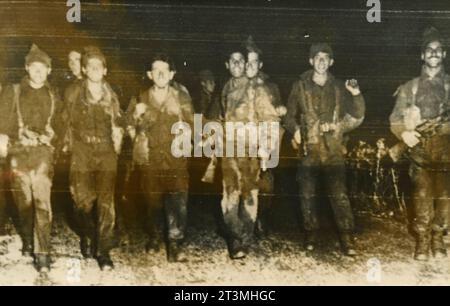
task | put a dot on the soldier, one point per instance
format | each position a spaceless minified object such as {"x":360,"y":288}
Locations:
{"x":29,"y":117}
{"x":245,"y":101}
{"x":422,"y":98}
{"x":164,"y":176}
{"x":74,"y":63}
{"x":62,"y":163}
{"x":320,"y":111}
{"x":74,"y":74}
{"x":257,"y":76}
{"x":205,"y":99}
{"x":95,"y":136}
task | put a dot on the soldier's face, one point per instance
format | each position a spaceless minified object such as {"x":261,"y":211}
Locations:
{"x":161,"y":74}
{"x":38,"y":73}
{"x":236,"y":64}
{"x":434,"y":54}
{"x":74,"y":62}
{"x":253,"y":65}
{"x":321,"y":62}
{"x":209,"y":85}
{"x":94,"y":70}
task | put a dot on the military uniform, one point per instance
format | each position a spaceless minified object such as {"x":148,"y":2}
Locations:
{"x":165,"y":178}
{"x":245,"y":101}
{"x":93,"y":165}
{"x":28,"y":115}
{"x":309,"y":106}
{"x":430,"y":191}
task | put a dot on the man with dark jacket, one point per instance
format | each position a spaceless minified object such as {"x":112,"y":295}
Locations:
{"x":423,"y":98}
{"x":30,"y":113}
{"x":320,"y":111}
{"x":94,"y":137}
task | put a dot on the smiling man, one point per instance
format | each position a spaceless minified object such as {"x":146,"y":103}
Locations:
{"x":321,"y":109}
{"x":164,"y":177}
{"x":94,"y":118}
{"x":29,"y":115}
{"x":422,"y":98}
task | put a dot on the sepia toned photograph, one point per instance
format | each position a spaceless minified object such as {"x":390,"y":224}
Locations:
{"x":190,"y":144}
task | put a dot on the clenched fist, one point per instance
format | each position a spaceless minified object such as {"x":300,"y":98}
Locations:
{"x":141,"y":108}
{"x":353,"y":87}
{"x":298,"y":137}
{"x":411,"y":138}
{"x":281,"y":111}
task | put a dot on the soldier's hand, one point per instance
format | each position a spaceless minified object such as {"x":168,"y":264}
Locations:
{"x":353,"y":87}
{"x":281,"y":110}
{"x":44,"y":139}
{"x":411,"y":138}
{"x":65,"y":149}
{"x":327,"y":127}
{"x":141,"y":108}
{"x":4,"y":141}
{"x":297,"y":137}
{"x":131,"y":132}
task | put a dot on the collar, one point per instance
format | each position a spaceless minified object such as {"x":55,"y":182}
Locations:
{"x":107,"y":93}
{"x":439,"y":76}
{"x":25,"y":82}
{"x":308,"y":77}
{"x":171,"y":93}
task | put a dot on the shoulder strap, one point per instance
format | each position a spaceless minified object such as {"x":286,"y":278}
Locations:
{"x":304,"y":98}
{"x":447,"y":89}
{"x":337,"y":109}
{"x":16,"y":105}
{"x":48,"y":127}
{"x":414,"y":89}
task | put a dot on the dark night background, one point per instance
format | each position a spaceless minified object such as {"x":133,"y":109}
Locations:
{"x":196,"y":33}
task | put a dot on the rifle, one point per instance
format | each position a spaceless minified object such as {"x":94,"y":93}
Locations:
{"x":428,"y":128}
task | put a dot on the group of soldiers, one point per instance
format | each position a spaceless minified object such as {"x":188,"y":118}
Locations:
{"x":36,"y":125}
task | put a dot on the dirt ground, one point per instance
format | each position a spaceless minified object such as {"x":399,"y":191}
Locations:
{"x":385,"y":248}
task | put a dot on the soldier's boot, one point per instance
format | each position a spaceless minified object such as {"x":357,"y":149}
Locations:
{"x":153,"y":243}
{"x":86,"y":248}
{"x":42,"y":262}
{"x":310,"y":240}
{"x":152,"y":246}
{"x":105,"y":262}
{"x":27,"y":249}
{"x":260,"y":230}
{"x":237,"y":249}
{"x":3,"y":248}
{"x":4,"y":240}
{"x":438,"y":245}
{"x":175,"y":252}
{"x":422,"y":247}
{"x":348,"y":245}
